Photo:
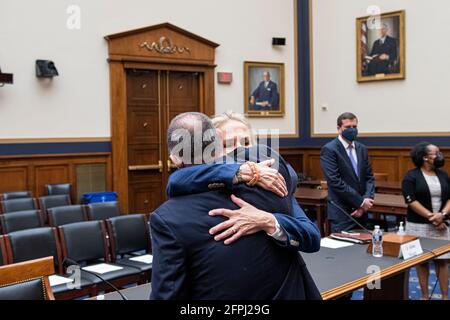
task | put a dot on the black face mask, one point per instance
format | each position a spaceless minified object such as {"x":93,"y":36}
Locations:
{"x":439,"y":161}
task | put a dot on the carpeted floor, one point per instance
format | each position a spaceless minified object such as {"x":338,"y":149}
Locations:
{"x":414,"y":288}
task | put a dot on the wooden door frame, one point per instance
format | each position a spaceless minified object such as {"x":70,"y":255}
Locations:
{"x":120,"y":59}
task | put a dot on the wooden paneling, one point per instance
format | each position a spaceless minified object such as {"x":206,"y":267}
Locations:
{"x":32,"y":173}
{"x":13,"y":179}
{"x":50,"y":174}
{"x":394,"y":162}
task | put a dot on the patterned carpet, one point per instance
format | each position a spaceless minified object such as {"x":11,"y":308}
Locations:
{"x":414,"y":288}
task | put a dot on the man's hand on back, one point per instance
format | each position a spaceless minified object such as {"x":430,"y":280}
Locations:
{"x":244,"y":221}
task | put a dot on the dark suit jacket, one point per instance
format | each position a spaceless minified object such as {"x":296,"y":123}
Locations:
{"x":302,"y":234}
{"x":389,"y":47}
{"x":344,"y":187}
{"x":189,"y":264}
{"x":415,"y":188}
{"x":269,"y":94}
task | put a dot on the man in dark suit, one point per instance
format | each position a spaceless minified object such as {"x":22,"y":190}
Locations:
{"x":345,"y":164}
{"x":265,"y":96}
{"x":189,"y":264}
{"x":384,"y":53}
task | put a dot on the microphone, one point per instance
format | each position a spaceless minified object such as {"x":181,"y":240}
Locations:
{"x":69,"y":262}
{"x":349,"y":215}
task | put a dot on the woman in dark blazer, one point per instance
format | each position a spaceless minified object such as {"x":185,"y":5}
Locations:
{"x":427,"y":192}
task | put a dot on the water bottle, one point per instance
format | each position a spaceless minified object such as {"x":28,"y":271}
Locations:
{"x":377,"y":242}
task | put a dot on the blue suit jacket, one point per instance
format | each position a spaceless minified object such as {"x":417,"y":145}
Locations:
{"x":302,"y":234}
{"x":344,"y":187}
{"x":189,"y":264}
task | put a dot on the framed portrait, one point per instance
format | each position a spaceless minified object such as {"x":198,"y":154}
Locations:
{"x":380,"y":44}
{"x":263,"y":89}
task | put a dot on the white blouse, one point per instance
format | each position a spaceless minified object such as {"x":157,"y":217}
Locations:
{"x":435,"y":191}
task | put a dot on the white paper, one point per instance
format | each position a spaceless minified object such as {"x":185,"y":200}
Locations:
{"x":411,"y":249}
{"x":334,"y":244}
{"x":56,"y":280}
{"x":102,"y":268}
{"x":146,"y":258}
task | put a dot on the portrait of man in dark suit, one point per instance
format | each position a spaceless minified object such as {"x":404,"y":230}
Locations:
{"x":384,"y":53}
{"x":265,"y":96}
{"x":381,"y":47}
{"x":264,"y":89}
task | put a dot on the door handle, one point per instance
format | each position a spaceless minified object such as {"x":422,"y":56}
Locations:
{"x":170,"y":166}
{"x":147,"y":167}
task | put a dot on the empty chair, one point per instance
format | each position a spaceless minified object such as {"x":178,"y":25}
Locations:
{"x":27,"y":280}
{"x":86,"y":243}
{"x":128,"y":235}
{"x":59,"y":216}
{"x":15,"y":195}
{"x":58,"y":189}
{"x":22,"y":204}
{"x":21,"y":220}
{"x":47,"y":202}
{"x":43,"y":242}
{"x":103,"y":210}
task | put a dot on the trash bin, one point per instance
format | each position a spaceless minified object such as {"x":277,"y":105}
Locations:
{"x":92,"y":197}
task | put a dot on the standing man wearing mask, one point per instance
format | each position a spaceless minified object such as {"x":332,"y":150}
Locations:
{"x":345,"y":164}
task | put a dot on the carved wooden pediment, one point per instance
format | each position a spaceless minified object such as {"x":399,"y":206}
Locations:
{"x":161,"y":42}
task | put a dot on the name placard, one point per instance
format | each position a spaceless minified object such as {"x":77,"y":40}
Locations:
{"x":410,"y":249}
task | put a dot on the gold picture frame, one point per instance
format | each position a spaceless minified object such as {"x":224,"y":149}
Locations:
{"x":380,"y":47}
{"x":264,"y":89}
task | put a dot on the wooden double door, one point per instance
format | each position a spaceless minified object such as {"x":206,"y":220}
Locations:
{"x":154,"y":98}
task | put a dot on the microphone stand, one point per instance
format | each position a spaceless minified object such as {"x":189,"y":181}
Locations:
{"x":348,"y":215}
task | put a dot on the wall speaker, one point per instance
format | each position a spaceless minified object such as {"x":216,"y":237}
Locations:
{"x":45,"y":69}
{"x":278,"y":41}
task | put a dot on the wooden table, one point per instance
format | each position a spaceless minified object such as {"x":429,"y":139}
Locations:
{"x":388,"y":187}
{"x":387,"y":204}
{"x":315,"y":199}
{"x":314,"y":184}
{"x":338,"y":272}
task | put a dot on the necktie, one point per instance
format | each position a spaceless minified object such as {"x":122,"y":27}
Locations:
{"x":352,"y":159}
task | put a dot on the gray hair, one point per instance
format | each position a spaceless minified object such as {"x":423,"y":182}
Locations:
{"x":190,"y":136}
{"x":221,"y":120}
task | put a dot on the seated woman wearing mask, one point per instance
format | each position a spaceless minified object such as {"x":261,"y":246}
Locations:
{"x":427,"y":192}
{"x":294,"y":231}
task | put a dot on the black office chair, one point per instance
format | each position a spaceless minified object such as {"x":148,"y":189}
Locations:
{"x":15,"y":195}
{"x":43,"y":242}
{"x":59,"y":216}
{"x":22,"y":204}
{"x":21,"y":220}
{"x":129,"y":237}
{"x":58,"y":189}
{"x":27,"y":280}
{"x":86,"y":243}
{"x":103,"y":210}
{"x":48,"y":202}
